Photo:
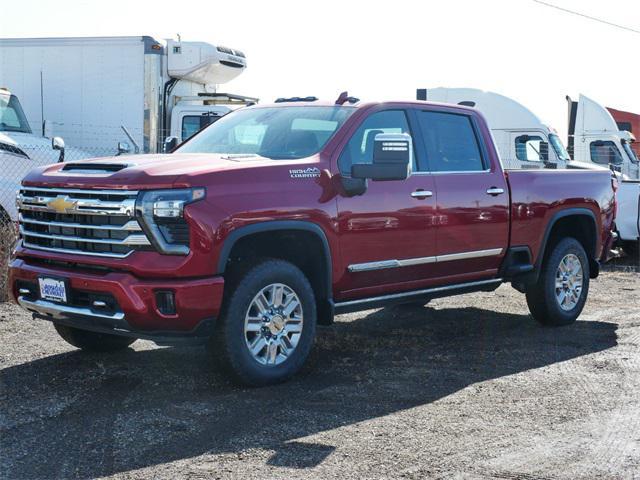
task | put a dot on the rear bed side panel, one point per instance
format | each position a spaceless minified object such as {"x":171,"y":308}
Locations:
{"x":538,"y":196}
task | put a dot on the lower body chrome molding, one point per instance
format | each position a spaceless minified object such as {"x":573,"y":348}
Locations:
{"x":408,"y":262}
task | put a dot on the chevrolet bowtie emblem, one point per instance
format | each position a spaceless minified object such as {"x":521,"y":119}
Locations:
{"x":61,"y":204}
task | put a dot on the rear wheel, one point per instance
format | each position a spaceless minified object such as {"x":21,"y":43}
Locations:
{"x":561,"y":291}
{"x":92,"y":341}
{"x":267,"y":326}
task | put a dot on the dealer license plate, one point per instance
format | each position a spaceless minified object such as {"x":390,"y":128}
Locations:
{"x":53,"y":289}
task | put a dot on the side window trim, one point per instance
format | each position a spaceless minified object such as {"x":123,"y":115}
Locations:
{"x":419,"y":147}
{"x":484,"y":153}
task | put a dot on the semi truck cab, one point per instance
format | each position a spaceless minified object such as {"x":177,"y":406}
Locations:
{"x":594,"y":137}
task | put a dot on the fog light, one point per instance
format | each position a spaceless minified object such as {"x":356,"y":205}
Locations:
{"x":166,"y":303}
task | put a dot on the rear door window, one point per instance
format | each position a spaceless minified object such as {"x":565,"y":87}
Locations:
{"x":451,"y":142}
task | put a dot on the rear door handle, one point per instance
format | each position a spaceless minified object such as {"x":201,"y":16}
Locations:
{"x":495,"y":191}
{"x":422,"y":194}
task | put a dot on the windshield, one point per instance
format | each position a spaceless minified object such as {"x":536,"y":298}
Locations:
{"x":632,"y":155}
{"x":277,"y":133}
{"x":558,"y":147}
{"x":12,"y":117}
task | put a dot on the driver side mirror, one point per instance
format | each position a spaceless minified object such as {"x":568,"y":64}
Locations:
{"x":123,"y":148}
{"x":391,"y":159}
{"x":57,"y":143}
{"x":170,"y":143}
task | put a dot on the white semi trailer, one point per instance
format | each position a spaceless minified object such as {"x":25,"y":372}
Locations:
{"x":96,"y":92}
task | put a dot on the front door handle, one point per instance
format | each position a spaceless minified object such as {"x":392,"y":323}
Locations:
{"x":422,"y":194}
{"x":495,"y":191}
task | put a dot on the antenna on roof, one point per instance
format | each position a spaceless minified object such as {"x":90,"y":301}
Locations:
{"x":344,"y":97}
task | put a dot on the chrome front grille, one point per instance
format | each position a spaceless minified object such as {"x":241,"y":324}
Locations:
{"x":82,"y":222}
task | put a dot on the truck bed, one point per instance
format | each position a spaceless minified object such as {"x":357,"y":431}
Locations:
{"x":538,"y":195}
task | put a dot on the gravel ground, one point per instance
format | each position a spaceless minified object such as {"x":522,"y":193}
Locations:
{"x":467,"y":387}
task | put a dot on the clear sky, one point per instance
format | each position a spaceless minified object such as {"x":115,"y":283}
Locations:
{"x":382,"y":50}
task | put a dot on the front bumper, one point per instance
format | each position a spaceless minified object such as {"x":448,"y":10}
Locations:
{"x":130,"y":304}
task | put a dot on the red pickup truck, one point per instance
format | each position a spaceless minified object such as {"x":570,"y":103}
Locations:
{"x":277,"y":217}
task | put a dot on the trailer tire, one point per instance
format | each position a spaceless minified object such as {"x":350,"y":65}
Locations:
{"x":93,"y":341}
{"x":559,"y":295}
{"x":267,"y":326}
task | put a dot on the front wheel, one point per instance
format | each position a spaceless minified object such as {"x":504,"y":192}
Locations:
{"x":559,"y":295}
{"x":268,"y":324}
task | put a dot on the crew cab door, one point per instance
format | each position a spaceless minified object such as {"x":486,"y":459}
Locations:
{"x":472,"y":195}
{"x":387,"y":235}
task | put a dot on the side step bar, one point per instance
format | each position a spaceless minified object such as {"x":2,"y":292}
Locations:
{"x":417,"y":295}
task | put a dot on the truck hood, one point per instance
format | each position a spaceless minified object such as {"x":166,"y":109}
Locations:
{"x":139,"y":172}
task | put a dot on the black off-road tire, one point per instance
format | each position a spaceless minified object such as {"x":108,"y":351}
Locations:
{"x":541,"y":297}
{"x":92,"y":341}
{"x":228,"y":345}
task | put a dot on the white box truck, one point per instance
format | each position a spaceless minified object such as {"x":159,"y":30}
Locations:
{"x":96,"y":92}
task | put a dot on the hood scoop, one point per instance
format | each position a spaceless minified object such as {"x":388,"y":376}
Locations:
{"x":94,"y":168}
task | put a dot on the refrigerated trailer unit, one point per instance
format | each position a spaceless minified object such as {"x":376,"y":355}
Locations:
{"x":95,"y":92}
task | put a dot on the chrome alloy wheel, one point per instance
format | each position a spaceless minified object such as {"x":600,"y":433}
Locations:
{"x":569,"y":282}
{"x":273,"y":324}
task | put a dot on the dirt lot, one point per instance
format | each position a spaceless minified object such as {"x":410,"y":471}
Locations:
{"x":467,"y":387}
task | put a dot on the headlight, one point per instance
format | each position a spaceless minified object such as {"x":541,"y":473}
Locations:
{"x":161,"y":216}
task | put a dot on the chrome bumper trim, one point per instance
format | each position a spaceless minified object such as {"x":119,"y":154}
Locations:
{"x":58,"y":311}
